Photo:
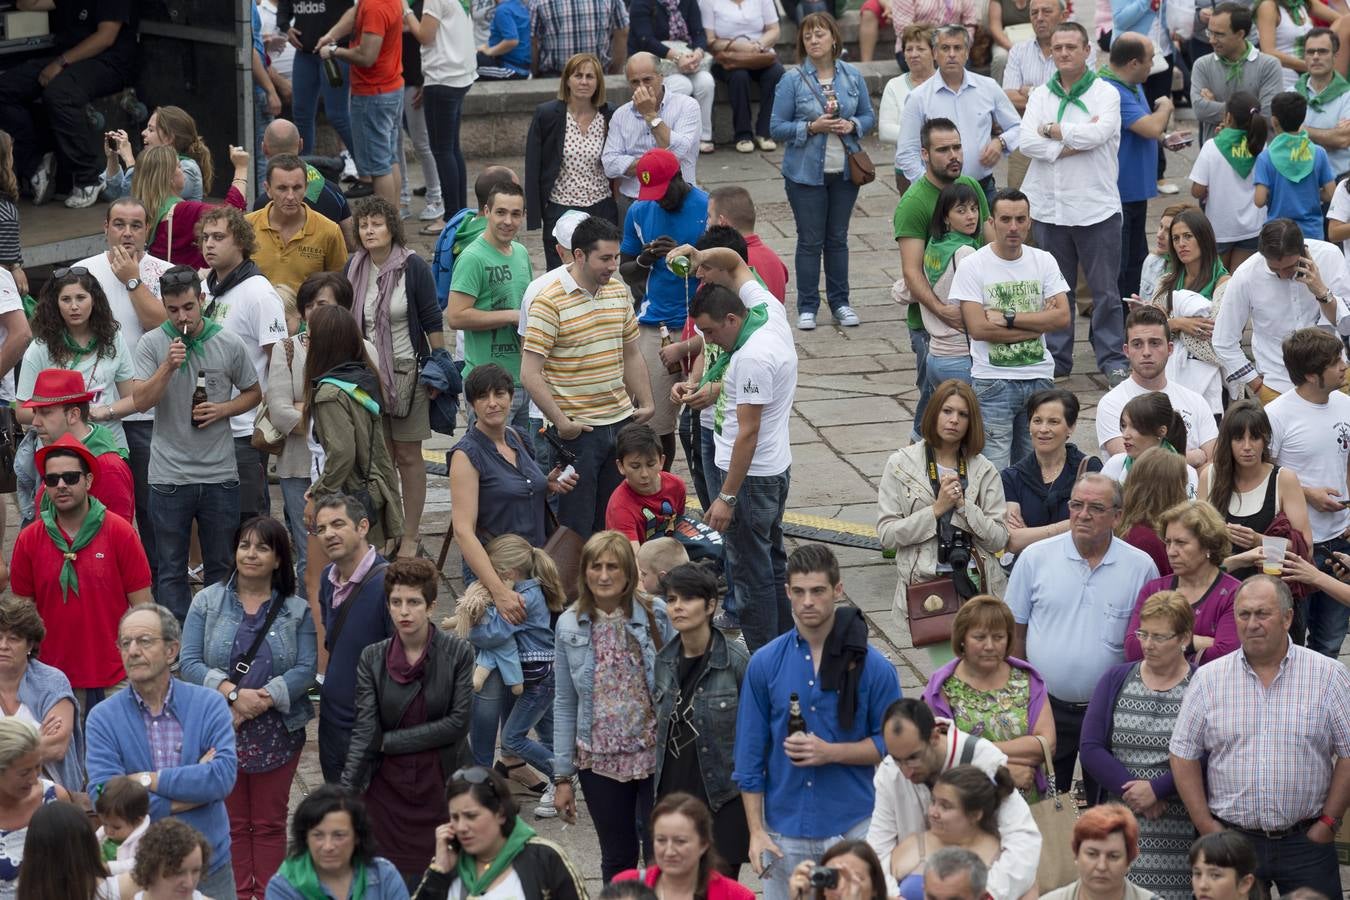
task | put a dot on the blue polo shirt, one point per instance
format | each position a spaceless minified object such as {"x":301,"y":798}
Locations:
{"x":1301,"y":200}
{"x":646,"y":221}
{"x":511,"y":21}
{"x":807,"y":801}
{"x":1137,"y":179}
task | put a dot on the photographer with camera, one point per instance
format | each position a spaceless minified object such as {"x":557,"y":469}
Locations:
{"x":849,"y":870}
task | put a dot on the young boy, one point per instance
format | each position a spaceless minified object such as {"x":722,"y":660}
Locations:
{"x":1293,"y":176}
{"x":655,"y":559}
{"x":123,"y":808}
{"x":650,"y":499}
{"x":506,"y":55}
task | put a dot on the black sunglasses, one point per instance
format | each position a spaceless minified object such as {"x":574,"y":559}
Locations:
{"x":77,"y":271}
{"x":52,"y":479}
{"x":177,"y":278}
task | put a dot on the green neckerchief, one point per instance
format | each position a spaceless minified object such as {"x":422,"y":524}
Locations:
{"x":1233,"y":70}
{"x":356,"y":393}
{"x":1295,"y":10}
{"x":168,"y":204}
{"x":1329,"y":93}
{"x":755,"y":318}
{"x":80,"y":351}
{"x":1109,"y":74}
{"x":299,"y":872}
{"x":474,"y":885}
{"x":938,"y":254}
{"x":1232,"y":143}
{"x":313,"y":183}
{"x":1074,"y":94}
{"x":1292,"y":155}
{"x":1166,"y":445}
{"x":100,"y":440}
{"x":93,"y":521}
{"x":210,"y":328}
{"x":1214,"y":275}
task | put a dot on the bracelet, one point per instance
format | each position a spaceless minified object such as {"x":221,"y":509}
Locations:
{"x":238,"y":181}
{"x":65,"y":63}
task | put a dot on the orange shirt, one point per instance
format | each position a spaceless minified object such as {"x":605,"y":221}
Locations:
{"x":383,"y":17}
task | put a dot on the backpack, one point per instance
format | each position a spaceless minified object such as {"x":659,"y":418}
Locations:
{"x":443,"y":255}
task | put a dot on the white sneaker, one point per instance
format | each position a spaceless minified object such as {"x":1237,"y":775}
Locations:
{"x":348,"y":166}
{"x":405,"y":211}
{"x":83,"y":197}
{"x":545,"y":809}
{"x":845,"y":316}
{"x":431,"y":212}
{"x":806,"y":322}
{"x":43,"y":181}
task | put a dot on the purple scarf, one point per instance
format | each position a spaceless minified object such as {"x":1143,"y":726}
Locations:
{"x":378,"y":332}
{"x":679,"y":28}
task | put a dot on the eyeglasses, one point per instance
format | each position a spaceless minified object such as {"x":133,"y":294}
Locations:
{"x":52,"y":479}
{"x":77,"y":271}
{"x":175,"y":279}
{"x":144,"y":641}
{"x":1095,"y":509}
{"x":1148,"y":637}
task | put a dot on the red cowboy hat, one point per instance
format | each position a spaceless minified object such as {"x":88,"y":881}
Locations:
{"x":58,"y":387}
{"x":69,"y":443}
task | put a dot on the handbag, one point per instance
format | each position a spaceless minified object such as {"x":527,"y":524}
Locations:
{"x":10,"y":436}
{"x":732,"y":58}
{"x":564,"y":548}
{"x":406,"y":372}
{"x":861,"y":169}
{"x":670,"y":67}
{"x":1055,"y":816}
{"x":267,"y":438}
{"x":931,"y":609}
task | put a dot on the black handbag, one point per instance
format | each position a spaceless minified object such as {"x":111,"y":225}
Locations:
{"x":10,"y":436}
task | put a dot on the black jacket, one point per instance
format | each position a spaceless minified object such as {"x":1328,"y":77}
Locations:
{"x":381,"y":702}
{"x":649,"y":25}
{"x":541,"y":866}
{"x":543,"y":157}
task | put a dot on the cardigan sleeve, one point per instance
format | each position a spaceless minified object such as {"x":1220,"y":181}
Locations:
{"x":421,"y":290}
{"x":1094,"y":741}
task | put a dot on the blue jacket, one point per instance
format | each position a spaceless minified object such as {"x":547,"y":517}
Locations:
{"x":208,"y":645}
{"x":41,"y":688}
{"x":796,"y":104}
{"x":574,"y":675}
{"x":118,"y":745}
{"x":443,"y":373}
{"x":533,"y":637}
{"x":382,"y":883}
{"x":366,"y":624}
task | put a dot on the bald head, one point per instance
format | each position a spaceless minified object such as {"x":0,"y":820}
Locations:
{"x":488,"y":181}
{"x":281,"y":136}
{"x":640,"y":62}
{"x":1132,"y":57}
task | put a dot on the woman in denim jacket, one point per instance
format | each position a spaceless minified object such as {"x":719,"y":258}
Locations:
{"x":609,"y":638}
{"x":820,"y":110}
{"x":269,"y":700}
{"x":698,"y":688}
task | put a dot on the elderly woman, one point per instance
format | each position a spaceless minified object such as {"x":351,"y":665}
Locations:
{"x":1038,"y":485}
{"x":1196,"y":543}
{"x":1124,"y":742}
{"x":673,"y":32}
{"x":562,"y":153}
{"x":332,"y":853}
{"x":918,"y":54}
{"x":34,"y":692}
{"x":397,"y":311}
{"x":749,"y":26}
{"x":993,"y":695}
{"x":943,"y":483}
{"x":22,"y":791}
{"x":1105,"y":843}
{"x":413,"y":695}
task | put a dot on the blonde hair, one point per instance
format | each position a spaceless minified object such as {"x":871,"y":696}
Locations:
{"x":1157,"y":483}
{"x":152,"y":182}
{"x":607,"y":543}
{"x":17,"y":739}
{"x":181,"y":129}
{"x":662,"y":554}
{"x":9,"y":184}
{"x":287,"y":295}
{"x":1171,"y":606}
{"x":512,"y":553}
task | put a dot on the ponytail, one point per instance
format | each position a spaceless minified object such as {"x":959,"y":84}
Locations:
{"x":1176,"y":432}
{"x":1244,"y":110}
{"x":545,"y":572}
{"x":201,"y":154}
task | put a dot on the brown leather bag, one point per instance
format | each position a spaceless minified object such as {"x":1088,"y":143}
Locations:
{"x":931,"y":609}
{"x":861,"y":169}
{"x":564,"y":548}
{"x":745,"y":58}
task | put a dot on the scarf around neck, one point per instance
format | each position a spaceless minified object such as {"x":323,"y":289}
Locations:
{"x":238,"y":275}
{"x":474,"y":884}
{"x":80,"y":351}
{"x":1295,"y":10}
{"x":1166,"y":445}
{"x":1232,"y":145}
{"x":1215,"y":273}
{"x":1233,"y":70}
{"x":396,"y":659}
{"x":93,"y":521}
{"x":378,"y":332}
{"x":939,"y":252}
{"x":677,"y":26}
{"x":1074,"y":95}
{"x":100,"y":440}
{"x":1331,"y":92}
{"x":299,"y":871}
{"x":1292,"y":155}
{"x":195,"y":345}
{"x":161,"y":214}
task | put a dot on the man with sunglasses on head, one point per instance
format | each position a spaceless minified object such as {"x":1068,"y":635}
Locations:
{"x":193,"y":474}
{"x":82,"y":568}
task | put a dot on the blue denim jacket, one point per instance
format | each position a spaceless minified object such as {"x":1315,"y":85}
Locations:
{"x":796,"y":104}
{"x":574,"y":675}
{"x":714,"y":713}
{"x":208,"y":639}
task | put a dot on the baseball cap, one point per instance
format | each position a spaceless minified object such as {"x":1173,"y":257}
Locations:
{"x":566,"y":225}
{"x":654,"y":171}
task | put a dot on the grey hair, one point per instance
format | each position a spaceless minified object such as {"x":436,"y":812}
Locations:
{"x":17,"y":738}
{"x":1282,"y":592}
{"x":642,"y":56}
{"x":1117,"y":492}
{"x":169,"y":627}
{"x":949,"y":861}
{"x":949,"y":30}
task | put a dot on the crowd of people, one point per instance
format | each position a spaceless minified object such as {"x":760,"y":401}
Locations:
{"x":1147,"y":633}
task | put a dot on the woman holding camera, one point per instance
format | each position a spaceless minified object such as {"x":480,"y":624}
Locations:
{"x":849,"y":870}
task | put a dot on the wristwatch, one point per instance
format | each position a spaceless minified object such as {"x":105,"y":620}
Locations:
{"x":728,"y":499}
{"x":145,"y":779}
{"x":1009,"y":319}
{"x":132,"y":284}
{"x":232,"y":696}
{"x":655,"y":122}
{"x":1045,"y":130}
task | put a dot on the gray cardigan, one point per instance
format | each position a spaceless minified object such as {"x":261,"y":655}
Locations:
{"x":1262,"y":77}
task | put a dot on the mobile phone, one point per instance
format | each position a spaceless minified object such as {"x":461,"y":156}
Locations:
{"x":1178,"y":140}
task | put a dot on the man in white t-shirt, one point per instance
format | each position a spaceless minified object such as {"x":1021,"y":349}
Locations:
{"x":130,"y":279}
{"x":240,"y":297}
{"x":1148,"y":345}
{"x":1310,"y":434}
{"x":1011,"y":297}
{"x":758,"y":372}
{"x":1290,"y":283}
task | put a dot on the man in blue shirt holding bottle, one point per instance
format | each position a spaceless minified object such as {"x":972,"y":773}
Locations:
{"x":805,"y":791}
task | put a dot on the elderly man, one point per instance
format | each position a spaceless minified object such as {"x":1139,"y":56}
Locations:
{"x":955,"y":873}
{"x":1328,"y":96}
{"x":919,"y":748}
{"x":653,"y":118}
{"x":974,"y":102}
{"x":1262,"y":745}
{"x":1077,"y":590}
{"x":1235,"y":65}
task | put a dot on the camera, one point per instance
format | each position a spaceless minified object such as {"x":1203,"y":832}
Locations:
{"x":824,"y":877}
{"x":954,"y":549}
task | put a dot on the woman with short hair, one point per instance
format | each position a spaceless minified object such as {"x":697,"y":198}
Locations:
{"x":1038,"y":486}
{"x":1105,"y":843}
{"x":171,"y":859}
{"x":39,"y":694}
{"x":332,"y":853}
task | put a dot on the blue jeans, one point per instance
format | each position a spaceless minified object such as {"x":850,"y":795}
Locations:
{"x":138,"y":447}
{"x":712,"y":478}
{"x":1293,"y":862}
{"x":173,"y":507}
{"x":219,"y":882}
{"x":918,"y":342}
{"x":309,"y":84}
{"x":1097,"y":249}
{"x":756,"y":558}
{"x":261,"y":119}
{"x":822,"y":213}
{"x":1327,"y":619}
{"x":1135,"y":240}
{"x":944,"y":368}
{"x":582,"y":509}
{"x":1003,"y":406}
{"x":293,"y":493}
{"x":532,"y":709}
{"x":442,"y":106}
{"x":795,"y":852}
{"x":491,"y":709}
{"x":691,"y":431}
{"x":377,"y":127}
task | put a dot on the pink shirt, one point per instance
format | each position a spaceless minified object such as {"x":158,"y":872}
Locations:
{"x":932,"y":12}
{"x":343,"y":589}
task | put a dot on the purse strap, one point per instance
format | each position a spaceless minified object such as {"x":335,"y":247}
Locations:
{"x":968,"y":749}
{"x":168,"y":247}
{"x":244,"y":663}
{"x":330,"y":639}
{"x":1049,"y":769}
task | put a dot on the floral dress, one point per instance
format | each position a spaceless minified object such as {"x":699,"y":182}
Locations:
{"x":622,"y":742}
{"x":996,"y":716}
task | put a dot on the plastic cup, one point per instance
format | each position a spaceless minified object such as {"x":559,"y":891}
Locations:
{"x":1273,"y":549}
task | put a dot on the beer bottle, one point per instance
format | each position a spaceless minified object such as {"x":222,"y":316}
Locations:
{"x":673,"y":368}
{"x":199,"y":394}
{"x":332,"y":72}
{"x":796,"y":722}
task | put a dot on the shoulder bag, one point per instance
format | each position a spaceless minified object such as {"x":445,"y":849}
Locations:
{"x":330,"y":638}
{"x":244,"y":663}
{"x":861,"y":170}
{"x":1055,"y":816}
{"x":732,"y":58}
{"x":266,"y":436}
{"x":930,"y":606}
{"x":563,"y":545}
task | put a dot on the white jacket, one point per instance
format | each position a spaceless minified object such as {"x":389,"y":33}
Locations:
{"x":126,"y":852}
{"x":902,"y":809}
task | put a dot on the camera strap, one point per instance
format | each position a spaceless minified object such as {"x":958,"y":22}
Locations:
{"x":945,"y":521}
{"x":946,"y":532}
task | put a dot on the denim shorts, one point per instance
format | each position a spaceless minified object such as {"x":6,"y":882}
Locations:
{"x":376,"y":130}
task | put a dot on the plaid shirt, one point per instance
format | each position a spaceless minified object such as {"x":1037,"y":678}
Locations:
{"x":562,"y":28}
{"x":1271,"y":749}
{"x":163,"y":731}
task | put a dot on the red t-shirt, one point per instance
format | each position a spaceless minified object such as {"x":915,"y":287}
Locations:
{"x":81,"y":630}
{"x":384,"y":17}
{"x":112,"y":486}
{"x":767,"y":266}
{"x":640,"y":518}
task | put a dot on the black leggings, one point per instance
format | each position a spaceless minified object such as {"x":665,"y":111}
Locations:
{"x":620,"y":811}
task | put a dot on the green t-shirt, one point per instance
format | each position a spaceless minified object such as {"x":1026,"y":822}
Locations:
{"x":497,"y":282}
{"x":914,"y":214}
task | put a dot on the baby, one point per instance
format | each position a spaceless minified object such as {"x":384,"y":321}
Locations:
{"x":123,"y":808}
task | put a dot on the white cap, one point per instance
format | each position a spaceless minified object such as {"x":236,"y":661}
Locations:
{"x":563,"y":228}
